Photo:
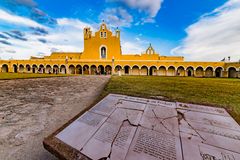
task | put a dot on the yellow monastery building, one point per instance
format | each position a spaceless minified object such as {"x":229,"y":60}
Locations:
{"x":102,"y":55}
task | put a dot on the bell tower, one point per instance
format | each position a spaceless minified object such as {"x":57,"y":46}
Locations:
{"x":87,"y":33}
{"x":102,"y":45}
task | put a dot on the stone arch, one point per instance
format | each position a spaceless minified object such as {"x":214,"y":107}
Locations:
{"x":190,"y":71}
{"x":41,"y":69}
{"x":180,"y":71}
{"x":108,"y":70}
{"x":28,"y":68}
{"x":21,"y":68}
{"x":63,"y":69}
{"x":34,"y":68}
{"x":5,"y":68}
{"x":15,"y":68}
{"x":162,"y":71}
{"x":209,"y":72}
{"x":232,"y":72}
{"x":86,"y":69}
{"x":144,"y":70}
{"x":118,"y":69}
{"x":218,"y":72}
{"x":127,"y":70}
{"x":48,"y":69}
{"x":79,"y":69}
{"x":103,"y":52}
{"x":72,"y":69}
{"x":199,"y":72}
{"x":93,"y":69}
{"x":101,"y":69}
{"x":135,"y":70}
{"x":171,"y":71}
{"x":55,"y":69}
{"x":153,"y":71}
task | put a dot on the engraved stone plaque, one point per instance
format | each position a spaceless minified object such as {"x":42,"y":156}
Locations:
{"x":121,"y":114}
{"x":153,"y":145}
{"x":135,"y":105}
{"x":211,"y":119}
{"x":110,"y":141}
{"x":162,"y":119}
{"x":204,"y":109}
{"x":215,"y":136}
{"x":81,"y":130}
{"x":130,"y":128}
{"x":106,"y":106}
{"x":192,"y":147}
{"x":163,"y":103}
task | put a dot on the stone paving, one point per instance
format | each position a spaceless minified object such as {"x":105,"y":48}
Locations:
{"x":31,"y":109}
{"x":130,"y":128}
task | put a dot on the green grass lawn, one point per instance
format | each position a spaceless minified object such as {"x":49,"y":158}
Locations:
{"x":220,"y":92}
{"x":4,"y":76}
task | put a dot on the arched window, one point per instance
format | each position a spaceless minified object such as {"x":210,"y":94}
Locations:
{"x":103,"y":52}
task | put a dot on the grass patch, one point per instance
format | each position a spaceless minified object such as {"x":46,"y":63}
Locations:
{"x":5,"y":76}
{"x":219,"y":92}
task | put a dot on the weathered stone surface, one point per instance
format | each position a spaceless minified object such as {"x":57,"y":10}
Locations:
{"x":122,"y":127}
{"x":111,"y":141}
{"x":192,"y":147}
{"x":162,"y":119}
{"x":135,"y":105}
{"x":204,"y":109}
{"x":106,"y":106}
{"x":153,"y":145}
{"x":81,"y":130}
{"x":121,"y":114}
{"x":32,"y":109}
{"x":211,"y":119}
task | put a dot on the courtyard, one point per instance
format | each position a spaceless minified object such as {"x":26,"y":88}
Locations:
{"x":32,"y":109}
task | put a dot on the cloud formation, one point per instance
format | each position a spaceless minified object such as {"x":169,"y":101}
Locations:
{"x":18,"y":20}
{"x":216,"y":35}
{"x":151,"y":7}
{"x":36,"y":38}
{"x":116,"y":17}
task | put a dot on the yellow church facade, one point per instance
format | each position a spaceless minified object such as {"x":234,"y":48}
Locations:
{"x":102,"y":54}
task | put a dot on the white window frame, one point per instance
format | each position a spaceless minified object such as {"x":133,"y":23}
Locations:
{"x":100,"y":56}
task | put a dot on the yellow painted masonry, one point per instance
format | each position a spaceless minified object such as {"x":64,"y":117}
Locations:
{"x":102,"y":54}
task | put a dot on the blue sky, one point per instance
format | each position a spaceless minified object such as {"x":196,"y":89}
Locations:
{"x":200,"y":30}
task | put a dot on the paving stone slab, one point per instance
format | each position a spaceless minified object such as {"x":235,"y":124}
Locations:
{"x":130,"y":104}
{"x":121,"y":114}
{"x":204,"y":109}
{"x":214,"y":136}
{"x":110,"y":141}
{"x":162,"y":119}
{"x":106,"y":106}
{"x":152,"y":145}
{"x":211,"y":119}
{"x":127,"y":128}
{"x":194,"y":149}
{"x":81,"y":130}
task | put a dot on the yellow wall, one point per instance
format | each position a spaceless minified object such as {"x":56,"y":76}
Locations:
{"x":90,"y":62}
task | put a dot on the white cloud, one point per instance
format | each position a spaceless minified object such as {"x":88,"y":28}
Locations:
{"x":116,"y":17}
{"x":66,"y":36}
{"x":216,"y":35}
{"x":18,"y":20}
{"x":131,"y":48}
{"x":151,"y":7}
{"x":69,"y":22}
{"x":30,"y":3}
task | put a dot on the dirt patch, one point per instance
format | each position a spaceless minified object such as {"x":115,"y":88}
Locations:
{"x":31,"y":109}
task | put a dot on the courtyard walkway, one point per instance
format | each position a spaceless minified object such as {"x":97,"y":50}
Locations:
{"x":31,"y":109}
